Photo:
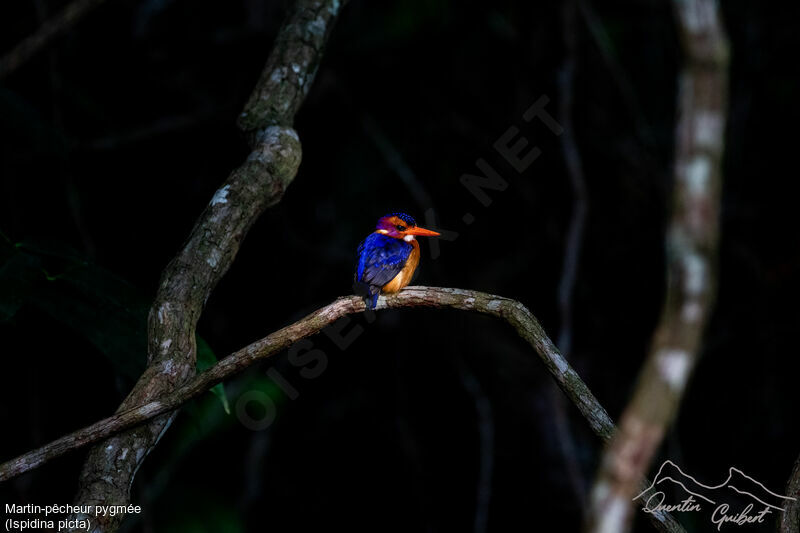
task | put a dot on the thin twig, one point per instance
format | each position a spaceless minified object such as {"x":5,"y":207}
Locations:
{"x":48,"y":31}
{"x":692,"y":239}
{"x":574,"y":165}
{"x":618,"y":74}
{"x":572,"y":249}
{"x":484,"y":421}
{"x":394,"y":160}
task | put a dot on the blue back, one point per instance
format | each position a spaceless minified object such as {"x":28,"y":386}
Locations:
{"x":380,"y":259}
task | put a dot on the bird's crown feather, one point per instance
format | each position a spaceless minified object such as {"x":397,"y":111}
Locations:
{"x":408,"y":219}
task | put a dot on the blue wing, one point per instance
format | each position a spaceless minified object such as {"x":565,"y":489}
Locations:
{"x":380,"y":259}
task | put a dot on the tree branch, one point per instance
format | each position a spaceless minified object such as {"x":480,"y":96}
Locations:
{"x":692,"y":238}
{"x":564,"y":437}
{"x":210,"y":249}
{"x":48,"y":31}
{"x":789,"y":522}
{"x":511,"y":311}
{"x":573,"y":162}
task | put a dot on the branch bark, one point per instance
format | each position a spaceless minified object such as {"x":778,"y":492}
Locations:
{"x":789,"y":522}
{"x":511,"y":311}
{"x":211,"y":248}
{"x":692,"y":238}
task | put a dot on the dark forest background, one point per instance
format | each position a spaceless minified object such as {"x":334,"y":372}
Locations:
{"x":114,"y":139}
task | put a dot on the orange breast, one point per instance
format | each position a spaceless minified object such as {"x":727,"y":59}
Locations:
{"x":404,"y":277}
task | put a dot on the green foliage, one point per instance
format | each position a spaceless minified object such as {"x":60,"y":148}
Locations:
{"x":206,"y":358}
{"x":101,"y":307}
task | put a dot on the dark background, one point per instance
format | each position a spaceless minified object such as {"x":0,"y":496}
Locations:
{"x":114,"y":139}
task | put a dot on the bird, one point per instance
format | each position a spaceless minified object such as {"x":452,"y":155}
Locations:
{"x":388,"y":257}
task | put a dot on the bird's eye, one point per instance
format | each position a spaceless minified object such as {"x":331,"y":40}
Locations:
{"x":400,"y":227}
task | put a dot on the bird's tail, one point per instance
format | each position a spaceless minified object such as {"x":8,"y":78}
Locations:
{"x":372,"y":300}
{"x":368,"y":292}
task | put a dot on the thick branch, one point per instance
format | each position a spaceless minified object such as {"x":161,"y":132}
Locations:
{"x":211,"y":248}
{"x":789,"y":521}
{"x":513,"y":312}
{"x":291,"y":67}
{"x":691,"y":261}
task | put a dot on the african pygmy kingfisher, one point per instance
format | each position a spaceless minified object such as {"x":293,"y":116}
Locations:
{"x":388,"y":257}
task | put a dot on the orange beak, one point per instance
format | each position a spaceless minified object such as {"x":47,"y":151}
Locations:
{"x":421,"y":232}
